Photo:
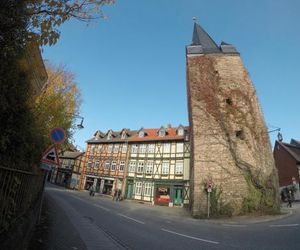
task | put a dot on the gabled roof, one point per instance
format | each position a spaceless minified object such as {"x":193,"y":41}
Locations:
{"x":295,"y":142}
{"x":152,"y":135}
{"x":70,"y":155}
{"x":117,"y":137}
{"x":293,"y":150}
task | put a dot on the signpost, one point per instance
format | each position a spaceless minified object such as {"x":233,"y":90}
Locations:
{"x":209,"y":189}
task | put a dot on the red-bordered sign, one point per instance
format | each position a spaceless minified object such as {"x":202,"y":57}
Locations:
{"x":51,"y":156}
{"x":57,"y":135}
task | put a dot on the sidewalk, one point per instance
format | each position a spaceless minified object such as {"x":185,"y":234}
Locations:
{"x":55,"y":231}
{"x":251,"y":219}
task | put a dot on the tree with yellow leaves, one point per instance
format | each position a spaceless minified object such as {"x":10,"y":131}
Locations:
{"x":58,"y":103}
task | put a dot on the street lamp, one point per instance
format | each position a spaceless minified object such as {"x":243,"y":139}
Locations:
{"x":279,"y":135}
{"x":80,"y":125}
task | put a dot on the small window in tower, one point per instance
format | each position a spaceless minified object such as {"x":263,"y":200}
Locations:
{"x":229,"y":101}
{"x":240,"y":134}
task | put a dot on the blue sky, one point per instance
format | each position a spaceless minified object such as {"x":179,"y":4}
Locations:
{"x":131,"y":67}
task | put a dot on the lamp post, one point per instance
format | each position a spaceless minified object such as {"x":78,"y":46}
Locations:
{"x":279,"y":135}
{"x":79,"y":125}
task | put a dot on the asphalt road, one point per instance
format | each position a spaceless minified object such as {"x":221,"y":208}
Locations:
{"x":106,"y":224}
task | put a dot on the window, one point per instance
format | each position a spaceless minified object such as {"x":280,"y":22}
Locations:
{"x":142,"y":148}
{"x":140,"y":168}
{"x":180,"y":132}
{"x":179,"y":167}
{"x":97,"y":163}
{"x":162,"y":133}
{"x":89,"y":163}
{"x":179,"y":148}
{"x":99,"y":148}
{"x":138,"y":187}
{"x":123,"y":136}
{"x":107,"y":165}
{"x":122,"y":165}
{"x":92,"y":149}
{"x":141,"y":134}
{"x":124,"y":148}
{"x":151,"y":148}
{"x":113,"y":165}
{"x":132,"y":166}
{"x":116,"y":148}
{"x":134,"y":148}
{"x":167,"y":147}
{"x":165,"y":168}
{"x":147,"y":188}
{"x":109,"y":148}
{"x":149,"y":167}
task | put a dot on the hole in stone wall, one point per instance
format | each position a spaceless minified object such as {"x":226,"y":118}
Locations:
{"x":240,"y":134}
{"x":228,"y":101}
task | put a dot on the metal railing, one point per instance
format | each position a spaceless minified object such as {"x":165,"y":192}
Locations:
{"x":19,"y":192}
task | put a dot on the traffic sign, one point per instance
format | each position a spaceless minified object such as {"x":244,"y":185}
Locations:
{"x":57,"y":135}
{"x":51,"y":156}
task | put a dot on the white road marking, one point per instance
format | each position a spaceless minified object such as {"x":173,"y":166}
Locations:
{"x":99,"y":206}
{"x":233,"y":225}
{"x":129,"y":218}
{"x":190,"y":237}
{"x":285,"y":225}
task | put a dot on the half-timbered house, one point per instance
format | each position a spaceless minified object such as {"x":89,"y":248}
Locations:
{"x":105,"y":161}
{"x":158,"y":169}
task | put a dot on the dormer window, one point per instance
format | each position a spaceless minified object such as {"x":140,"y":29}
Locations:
{"x":123,"y":136}
{"x":180,"y":132}
{"x":109,"y":135}
{"x":141,"y":134}
{"x":161,"y":133}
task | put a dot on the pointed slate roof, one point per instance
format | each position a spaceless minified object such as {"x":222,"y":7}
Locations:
{"x":201,"y":38}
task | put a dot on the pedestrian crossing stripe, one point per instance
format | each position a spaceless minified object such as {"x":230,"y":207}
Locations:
{"x":51,"y":156}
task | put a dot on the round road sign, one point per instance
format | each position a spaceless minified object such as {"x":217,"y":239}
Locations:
{"x":57,"y":135}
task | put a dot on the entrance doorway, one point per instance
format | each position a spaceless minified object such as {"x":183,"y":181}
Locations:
{"x":177,"y":196}
{"x":129,"y":190}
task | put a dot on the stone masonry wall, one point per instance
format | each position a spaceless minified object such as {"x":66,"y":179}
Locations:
{"x":229,"y":138}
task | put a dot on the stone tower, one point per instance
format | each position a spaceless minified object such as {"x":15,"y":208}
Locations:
{"x":229,"y":140}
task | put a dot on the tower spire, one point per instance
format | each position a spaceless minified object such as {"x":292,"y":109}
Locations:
{"x":201,"y":38}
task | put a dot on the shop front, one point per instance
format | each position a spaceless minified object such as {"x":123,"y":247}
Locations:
{"x":106,"y":185}
{"x":168,"y":194}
